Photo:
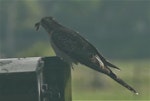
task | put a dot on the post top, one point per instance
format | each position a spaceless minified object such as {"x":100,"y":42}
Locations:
{"x":14,"y":65}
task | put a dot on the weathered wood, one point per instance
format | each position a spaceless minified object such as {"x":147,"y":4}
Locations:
{"x":35,"y":79}
{"x":57,"y":74}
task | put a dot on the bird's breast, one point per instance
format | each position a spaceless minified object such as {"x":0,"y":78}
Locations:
{"x":60,"y":53}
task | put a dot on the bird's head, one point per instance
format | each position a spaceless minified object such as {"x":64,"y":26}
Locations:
{"x":48,"y":23}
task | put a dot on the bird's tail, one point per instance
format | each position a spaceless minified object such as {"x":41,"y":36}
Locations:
{"x":120,"y":81}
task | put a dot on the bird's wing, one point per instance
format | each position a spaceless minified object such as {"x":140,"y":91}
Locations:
{"x":78,"y":48}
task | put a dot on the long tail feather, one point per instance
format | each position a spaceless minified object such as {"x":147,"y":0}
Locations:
{"x":120,"y":81}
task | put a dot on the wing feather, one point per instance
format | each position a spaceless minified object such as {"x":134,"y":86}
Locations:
{"x":78,"y":48}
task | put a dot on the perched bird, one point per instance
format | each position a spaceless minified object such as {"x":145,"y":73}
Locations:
{"x":73,"y":48}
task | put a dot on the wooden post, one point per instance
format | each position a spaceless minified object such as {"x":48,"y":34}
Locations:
{"x":35,"y":79}
{"x":57,"y":75}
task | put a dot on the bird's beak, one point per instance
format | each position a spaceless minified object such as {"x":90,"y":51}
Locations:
{"x":43,"y":22}
{"x":37,"y":26}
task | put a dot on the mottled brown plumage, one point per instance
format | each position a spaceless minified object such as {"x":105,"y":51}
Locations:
{"x":73,"y":48}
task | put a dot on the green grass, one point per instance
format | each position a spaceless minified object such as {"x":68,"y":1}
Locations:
{"x":90,"y":85}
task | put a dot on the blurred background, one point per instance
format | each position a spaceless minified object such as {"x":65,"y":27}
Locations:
{"x":119,"y":29}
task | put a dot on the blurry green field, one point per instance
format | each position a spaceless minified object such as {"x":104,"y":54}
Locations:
{"x":90,"y":85}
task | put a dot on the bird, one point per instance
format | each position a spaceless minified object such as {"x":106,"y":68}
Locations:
{"x":70,"y":46}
